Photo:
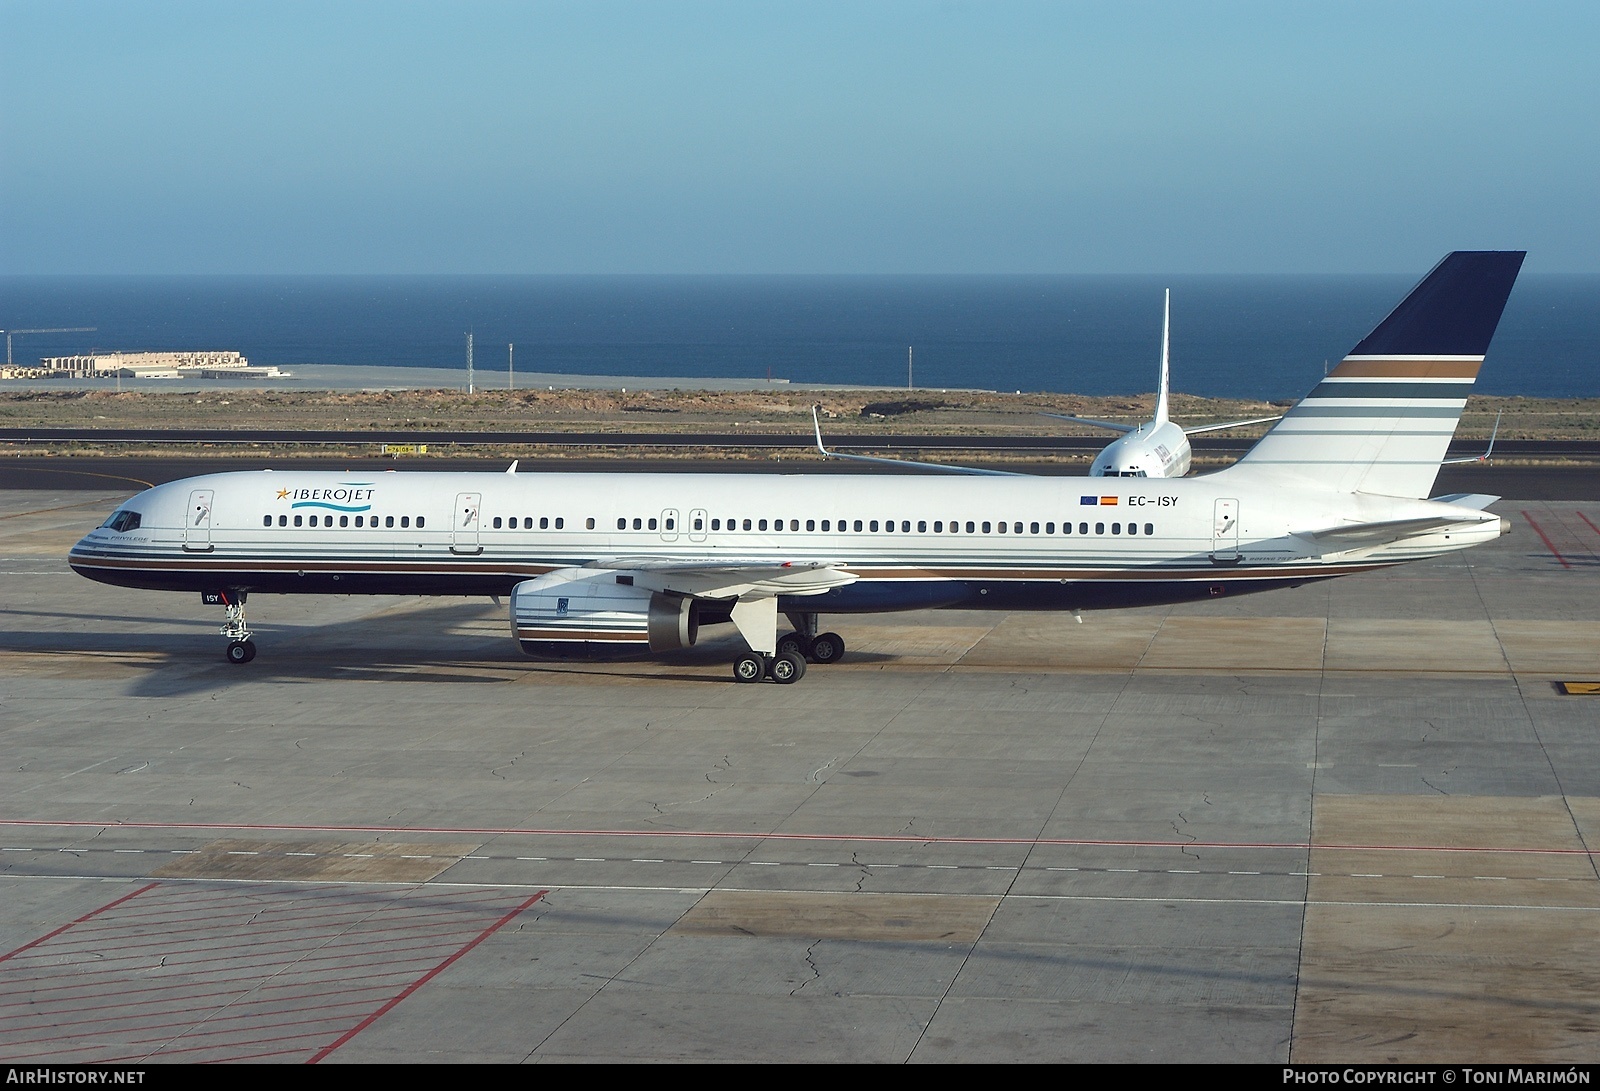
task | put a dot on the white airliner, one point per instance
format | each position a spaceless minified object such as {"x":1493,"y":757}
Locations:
{"x":1158,"y":447}
{"x":606,"y":563}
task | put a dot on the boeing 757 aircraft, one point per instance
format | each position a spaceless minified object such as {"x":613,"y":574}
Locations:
{"x":607,"y":563}
{"x":1158,"y":447}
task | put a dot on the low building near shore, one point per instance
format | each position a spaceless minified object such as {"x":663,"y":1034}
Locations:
{"x":157,"y":365}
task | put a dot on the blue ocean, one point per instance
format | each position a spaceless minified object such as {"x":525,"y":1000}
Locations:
{"x":1265,"y":337}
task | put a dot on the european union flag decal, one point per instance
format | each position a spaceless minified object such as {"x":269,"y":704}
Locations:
{"x":1088,"y":501}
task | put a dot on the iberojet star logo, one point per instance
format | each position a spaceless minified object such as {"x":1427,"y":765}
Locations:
{"x":354,"y":496}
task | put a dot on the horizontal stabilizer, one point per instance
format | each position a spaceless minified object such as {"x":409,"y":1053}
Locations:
{"x":1392,"y":530}
{"x":1477,"y":501}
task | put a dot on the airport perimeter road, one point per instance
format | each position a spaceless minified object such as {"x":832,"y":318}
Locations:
{"x":1351,"y":822}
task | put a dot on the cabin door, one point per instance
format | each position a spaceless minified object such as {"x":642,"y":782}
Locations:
{"x":465,"y":527}
{"x":197,"y":525}
{"x":697,"y":525}
{"x":1225,"y":531}
{"x":669,"y":525}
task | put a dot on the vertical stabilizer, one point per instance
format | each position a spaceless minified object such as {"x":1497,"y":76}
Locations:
{"x":1166,"y":340}
{"x":1382,"y":420}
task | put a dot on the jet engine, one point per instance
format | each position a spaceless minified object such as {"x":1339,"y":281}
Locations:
{"x":600,"y":616}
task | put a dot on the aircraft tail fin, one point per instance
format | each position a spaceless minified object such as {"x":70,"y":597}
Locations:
{"x":1382,"y":420}
{"x":1166,"y":331}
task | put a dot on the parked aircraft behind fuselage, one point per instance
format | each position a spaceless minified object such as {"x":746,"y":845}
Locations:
{"x":1158,"y":447}
{"x":602,"y":563}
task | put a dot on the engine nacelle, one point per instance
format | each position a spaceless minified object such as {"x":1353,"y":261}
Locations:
{"x":600,"y":615}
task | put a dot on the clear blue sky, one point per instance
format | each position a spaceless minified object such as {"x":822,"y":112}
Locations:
{"x":820,"y":137}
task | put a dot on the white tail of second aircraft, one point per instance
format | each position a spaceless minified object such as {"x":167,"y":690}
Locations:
{"x":1381,"y":421}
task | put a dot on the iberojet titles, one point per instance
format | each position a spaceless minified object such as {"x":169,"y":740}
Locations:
{"x":339,"y":498}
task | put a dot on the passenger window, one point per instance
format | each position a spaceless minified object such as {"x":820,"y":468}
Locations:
{"x":672,"y":524}
{"x":1149,"y":528}
{"x":824,"y":525}
{"x":652,"y":524}
{"x":811,"y":524}
{"x":986,"y":528}
{"x":858,"y":526}
{"x":266,"y":520}
{"x":388,"y":521}
{"x":1083,"y":528}
{"x":359,"y":522}
{"x":747,"y":524}
{"x":1099,"y":528}
{"x":405,"y":520}
{"x":716,"y":524}
{"x":922,"y":526}
{"x":344,"y":521}
{"x":873,"y":525}
{"x":638,"y":523}
{"x":777,"y":524}
{"x":761,"y":525}
{"x":1049,"y":528}
{"x":561,"y":523}
{"x":1002,"y":526}
{"x":699,"y":524}
{"x":283,"y":520}
{"x":1033,"y":528}
{"x":588,"y":523}
{"x":905,"y":526}
{"x":971,"y":525}
{"x":297,"y":520}
{"x":497,"y":522}
{"x":794,"y":524}
{"x":421,"y":520}
{"x":1116,"y":528}
{"x":938,"y":526}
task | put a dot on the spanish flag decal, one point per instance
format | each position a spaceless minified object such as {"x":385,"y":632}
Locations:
{"x":1097,"y":501}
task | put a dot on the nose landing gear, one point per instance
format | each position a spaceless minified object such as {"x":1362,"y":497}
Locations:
{"x":241,"y":649}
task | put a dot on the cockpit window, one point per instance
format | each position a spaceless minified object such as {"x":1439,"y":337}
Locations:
{"x":122,"y":521}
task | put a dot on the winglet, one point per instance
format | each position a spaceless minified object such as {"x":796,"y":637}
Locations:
{"x":511,"y":469}
{"x":816,"y":423}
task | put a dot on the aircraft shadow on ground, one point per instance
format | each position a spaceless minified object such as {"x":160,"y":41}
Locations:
{"x":419,"y":645}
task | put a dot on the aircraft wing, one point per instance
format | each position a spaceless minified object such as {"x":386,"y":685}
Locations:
{"x":816,"y":422}
{"x":1231,"y":424}
{"x":1094,"y":423}
{"x":724,"y":578}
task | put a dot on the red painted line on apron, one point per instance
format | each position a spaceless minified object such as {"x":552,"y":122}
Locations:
{"x":87,"y":916}
{"x":425,"y":978}
{"x":1545,"y":538}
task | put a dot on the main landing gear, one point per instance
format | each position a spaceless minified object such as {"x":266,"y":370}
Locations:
{"x":792,"y":651}
{"x":785,"y":668}
{"x":241,"y":649}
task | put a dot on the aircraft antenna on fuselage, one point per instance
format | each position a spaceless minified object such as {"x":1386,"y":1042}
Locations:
{"x":1166,"y":336}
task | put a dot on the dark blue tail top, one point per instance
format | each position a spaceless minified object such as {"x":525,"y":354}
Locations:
{"x":1453,"y":312}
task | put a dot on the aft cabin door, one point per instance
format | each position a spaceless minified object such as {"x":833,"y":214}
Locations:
{"x":1225,"y":532}
{"x":197,"y":526}
{"x":465,"y":527}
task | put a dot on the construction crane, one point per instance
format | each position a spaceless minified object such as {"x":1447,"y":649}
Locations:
{"x":68,"y":329}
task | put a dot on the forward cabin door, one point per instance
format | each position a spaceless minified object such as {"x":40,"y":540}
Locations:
{"x":1225,"y":531}
{"x":197,"y":524}
{"x":466,"y":524}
